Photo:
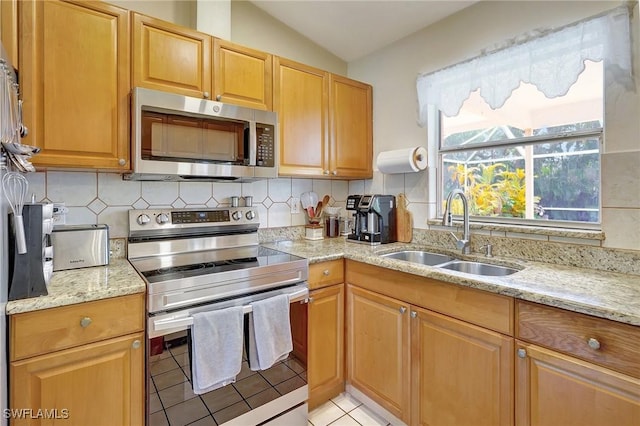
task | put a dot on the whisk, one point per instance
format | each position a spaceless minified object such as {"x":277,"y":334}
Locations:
{"x":15,"y":189}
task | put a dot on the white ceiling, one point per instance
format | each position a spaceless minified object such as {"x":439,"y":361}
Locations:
{"x":353,"y":29}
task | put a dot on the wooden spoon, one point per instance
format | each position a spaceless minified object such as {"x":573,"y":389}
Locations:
{"x":319,"y":208}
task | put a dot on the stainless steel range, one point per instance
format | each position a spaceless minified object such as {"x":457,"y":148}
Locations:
{"x":198,"y":260}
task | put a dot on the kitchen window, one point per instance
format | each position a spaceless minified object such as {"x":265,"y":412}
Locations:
{"x":520,"y":129}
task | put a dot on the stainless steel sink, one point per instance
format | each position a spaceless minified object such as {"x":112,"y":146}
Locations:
{"x":477,"y":268}
{"x":419,"y":256}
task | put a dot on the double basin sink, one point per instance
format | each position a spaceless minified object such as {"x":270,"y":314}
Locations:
{"x":451,"y":263}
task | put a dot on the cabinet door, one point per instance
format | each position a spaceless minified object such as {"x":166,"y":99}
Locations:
{"x":96,"y":384}
{"x":461,"y":374}
{"x":378,"y":349}
{"x":301,"y":100}
{"x":242,"y":76}
{"x":171,"y":58}
{"x":326,"y":344}
{"x":74,"y":72}
{"x":555,"y":389}
{"x":351,"y":142}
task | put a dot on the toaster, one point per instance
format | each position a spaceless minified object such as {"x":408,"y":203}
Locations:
{"x":80,"y":246}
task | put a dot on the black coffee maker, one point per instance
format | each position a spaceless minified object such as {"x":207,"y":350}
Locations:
{"x":374,"y":218}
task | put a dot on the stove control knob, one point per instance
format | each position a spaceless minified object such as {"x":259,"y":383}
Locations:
{"x":162,"y":218}
{"x":251,"y":215}
{"x":236,"y":215}
{"x":143,"y":219}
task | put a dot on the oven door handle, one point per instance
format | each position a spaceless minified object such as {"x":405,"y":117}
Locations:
{"x":172,"y":322}
{"x":185,"y":320}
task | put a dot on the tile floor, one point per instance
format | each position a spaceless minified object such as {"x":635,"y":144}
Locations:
{"x":172,"y":401}
{"x":344,"y":410}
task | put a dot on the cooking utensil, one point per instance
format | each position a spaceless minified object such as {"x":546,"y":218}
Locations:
{"x":15,"y":189}
{"x":305,"y":200}
{"x":313,"y":199}
{"x":325,"y":200}
{"x":319,"y":209}
{"x":404,"y":220}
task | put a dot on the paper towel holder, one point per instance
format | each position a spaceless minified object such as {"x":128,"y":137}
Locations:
{"x":407,"y":160}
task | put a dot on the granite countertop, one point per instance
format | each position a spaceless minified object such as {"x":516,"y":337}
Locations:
{"x":84,"y":285}
{"x":609,"y":295}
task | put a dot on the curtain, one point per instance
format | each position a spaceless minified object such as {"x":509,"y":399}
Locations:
{"x":552,"y":62}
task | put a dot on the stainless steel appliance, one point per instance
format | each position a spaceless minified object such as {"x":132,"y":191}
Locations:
{"x":375,"y":219}
{"x":80,"y":246}
{"x":206,"y":259}
{"x":178,"y":137}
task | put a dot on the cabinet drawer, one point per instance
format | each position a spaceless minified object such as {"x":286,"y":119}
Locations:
{"x":49,"y":330}
{"x":601,"y":341}
{"x":326,"y":273}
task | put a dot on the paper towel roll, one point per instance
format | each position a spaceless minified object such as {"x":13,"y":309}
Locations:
{"x":402,"y":160}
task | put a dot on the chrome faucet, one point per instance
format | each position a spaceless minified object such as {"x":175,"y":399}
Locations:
{"x":463,"y":243}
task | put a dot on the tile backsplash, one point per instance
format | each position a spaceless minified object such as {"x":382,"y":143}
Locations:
{"x":92,"y":197}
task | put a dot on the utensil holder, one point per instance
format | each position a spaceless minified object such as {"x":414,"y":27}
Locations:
{"x":27,"y":277}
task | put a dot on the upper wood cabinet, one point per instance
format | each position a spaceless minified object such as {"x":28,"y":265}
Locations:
{"x":75,"y":81}
{"x":351,"y":123}
{"x":325,"y":123}
{"x":301,"y":99}
{"x":242,"y":76}
{"x":176,"y":59}
{"x":9,"y":29}
{"x":171,"y":58}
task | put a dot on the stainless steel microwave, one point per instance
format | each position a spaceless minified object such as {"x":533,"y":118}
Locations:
{"x":177,"y":137}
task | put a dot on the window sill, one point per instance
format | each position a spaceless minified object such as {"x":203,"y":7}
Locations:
{"x":594,"y":237}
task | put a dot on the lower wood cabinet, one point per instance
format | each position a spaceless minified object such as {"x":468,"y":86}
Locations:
{"x":461,"y":374}
{"x":575,"y":369}
{"x":97,"y":384}
{"x":378,"y":349}
{"x":91,"y":372}
{"x":556,"y":389}
{"x":317,"y":329}
{"x":426,"y":367}
{"x":325,"y":367}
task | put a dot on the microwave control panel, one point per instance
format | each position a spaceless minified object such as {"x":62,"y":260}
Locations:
{"x":265,"y":149}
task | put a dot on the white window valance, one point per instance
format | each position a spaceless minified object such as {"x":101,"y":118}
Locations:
{"x":551,"y":61}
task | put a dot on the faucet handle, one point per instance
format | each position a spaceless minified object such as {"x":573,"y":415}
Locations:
{"x":488,"y":250}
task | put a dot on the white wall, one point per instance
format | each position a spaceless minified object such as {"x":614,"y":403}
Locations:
{"x":393,"y":71}
{"x":250,"y":26}
{"x":180,"y":12}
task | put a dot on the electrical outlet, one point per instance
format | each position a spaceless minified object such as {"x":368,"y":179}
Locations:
{"x":295,"y":205}
{"x":59,"y":214}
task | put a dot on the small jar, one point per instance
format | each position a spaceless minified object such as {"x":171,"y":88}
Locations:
{"x":332,"y":226}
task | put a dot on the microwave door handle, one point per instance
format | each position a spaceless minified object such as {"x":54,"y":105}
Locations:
{"x":253,"y":143}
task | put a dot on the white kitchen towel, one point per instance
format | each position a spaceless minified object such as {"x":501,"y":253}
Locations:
{"x":216,"y":348}
{"x":269,"y":332}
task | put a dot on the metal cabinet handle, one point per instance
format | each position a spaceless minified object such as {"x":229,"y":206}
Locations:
{"x":206,"y":95}
{"x":325,"y":272}
{"x":403,"y":309}
{"x":325,"y":172}
{"x":310,"y":300}
{"x":593,"y":343}
{"x":522,"y":353}
{"x":136,"y":344}
{"x":122,"y":162}
{"x":85,"y":322}
{"x":414,"y":314}
{"x":335,"y":172}
{"x":219,"y":98}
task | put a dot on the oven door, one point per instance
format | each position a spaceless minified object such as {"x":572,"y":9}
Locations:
{"x":277,"y":395}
